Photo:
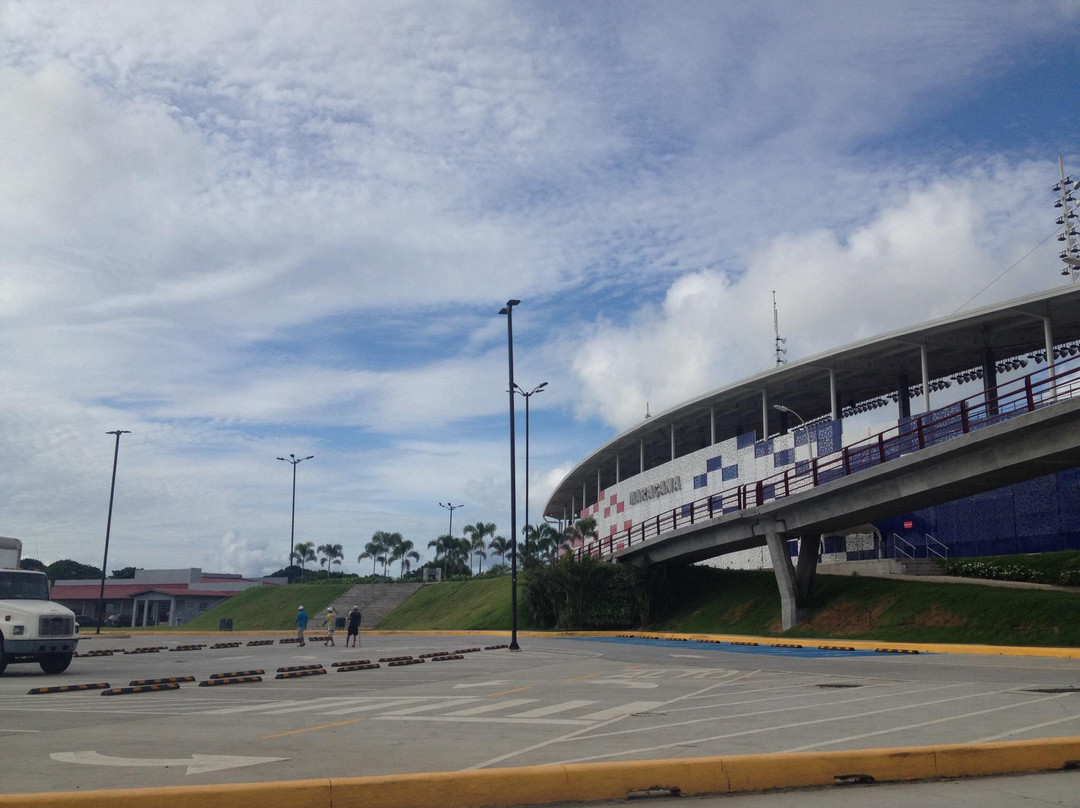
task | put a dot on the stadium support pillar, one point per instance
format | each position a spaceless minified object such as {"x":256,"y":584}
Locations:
{"x":796,"y":585}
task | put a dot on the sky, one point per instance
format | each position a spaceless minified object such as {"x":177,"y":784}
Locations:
{"x":246,"y":230}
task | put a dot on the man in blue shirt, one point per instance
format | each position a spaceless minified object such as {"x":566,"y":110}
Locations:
{"x":301,"y":624}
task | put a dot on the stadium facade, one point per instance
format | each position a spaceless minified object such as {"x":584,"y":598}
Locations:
{"x":785,"y":418}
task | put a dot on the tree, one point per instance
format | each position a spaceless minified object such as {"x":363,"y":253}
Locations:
{"x":581,"y":533}
{"x":379,"y":549}
{"x":476,"y":535}
{"x":454,"y":554}
{"x":126,"y":572}
{"x":544,"y":542}
{"x":65,"y":569}
{"x":500,"y":546}
{"x":31,"y":564}
{"x":331,"y":554}
{"x":403,"y":551}
{"x":304,"y":552}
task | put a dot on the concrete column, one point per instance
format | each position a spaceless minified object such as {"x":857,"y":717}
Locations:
{"x":712,"y":425}
{"x":925,"y":377}
{"x":785,"y":576}
{"x":833,"y":409}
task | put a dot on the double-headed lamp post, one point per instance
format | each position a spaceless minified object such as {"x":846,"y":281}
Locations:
{"x":806,"y":429}
{"x":508,"y":310}
{"x":538,"y":389}
{"x":108,"y":526}
{"x":450,"y":508}
{"x":295,"y":461}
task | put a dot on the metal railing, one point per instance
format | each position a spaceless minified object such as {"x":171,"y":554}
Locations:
{"x":985,"y":408}
{"x":902,"y":547}
{"x":937,"y":548}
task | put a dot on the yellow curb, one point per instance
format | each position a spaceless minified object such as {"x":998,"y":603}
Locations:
{"x":582,"y":782}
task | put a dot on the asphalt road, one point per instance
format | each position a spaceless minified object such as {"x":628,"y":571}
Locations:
{"x":558,"y":700}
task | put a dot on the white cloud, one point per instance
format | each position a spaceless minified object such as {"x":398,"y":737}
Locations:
{"x":248,"y":230}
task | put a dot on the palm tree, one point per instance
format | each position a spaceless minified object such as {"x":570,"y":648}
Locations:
{"x":331,"y":554}
{"x":377,"y":549}
{"x":403,"y":551}
{"x":441,"y":545}
{"x":581,"y":532}
{"x":304,"y":552}
{"x":544,"y":541}
{"x":476,"y":535}
{"x":500,"y":546}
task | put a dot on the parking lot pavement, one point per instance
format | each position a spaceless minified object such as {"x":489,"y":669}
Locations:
{"x":558,"y":700}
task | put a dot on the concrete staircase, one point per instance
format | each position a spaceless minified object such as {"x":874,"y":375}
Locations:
{"x":920,"y":566}
{"x":375,"y":602}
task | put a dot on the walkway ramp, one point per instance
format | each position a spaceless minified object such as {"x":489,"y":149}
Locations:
{"x":376,"y":601}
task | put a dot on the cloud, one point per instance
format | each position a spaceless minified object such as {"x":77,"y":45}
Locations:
{"x":715,"y":327}
{"x":269,"y":228}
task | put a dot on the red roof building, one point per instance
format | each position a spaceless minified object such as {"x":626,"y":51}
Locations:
{"x":155,"y":597}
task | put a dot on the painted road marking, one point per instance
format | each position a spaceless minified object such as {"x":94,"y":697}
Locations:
{"x":491,"y":708}
{"x":445,"y":702}
{"x":624,"y":709}
{"x":377,"y":705}
{"x":309,"y":729}
{"x":508,"y":692}
{"x":566,"y":706}
{"x":196,"y":764}
{"x":496,"y":683}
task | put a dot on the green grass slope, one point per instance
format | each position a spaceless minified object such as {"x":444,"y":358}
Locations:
{"x":483,"y":604}
{"x":747,"y":603}
{"x":270,"y":608}
{"x":730,"y":602}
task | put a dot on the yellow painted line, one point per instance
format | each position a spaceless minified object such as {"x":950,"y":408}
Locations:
{"x":309,"y":729}
{"x":582,"y":782}
{"x":634,"y":667}
{"x":505,"y":692}
{"x":579,"y":678}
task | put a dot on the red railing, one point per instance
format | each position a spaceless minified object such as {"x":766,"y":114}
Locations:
{"x":985,"y":408}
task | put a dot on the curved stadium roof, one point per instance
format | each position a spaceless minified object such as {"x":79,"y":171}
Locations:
{"x":830,"y":384}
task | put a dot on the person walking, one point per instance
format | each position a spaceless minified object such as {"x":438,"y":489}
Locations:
{"x":301,"y":624}
{"x":354,"y":627}
{"x":331,"y":623}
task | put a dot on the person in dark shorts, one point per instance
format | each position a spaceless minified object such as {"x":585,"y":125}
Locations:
{"x":353,"y":632}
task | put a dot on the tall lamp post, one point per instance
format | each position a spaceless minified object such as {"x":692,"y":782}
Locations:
{"x":295,"y":461}
{"x":806,"y":429}
{"x":509,"y":312}
{"x":538,"y":389}
{"x":450,"y":508}
{"x":108,"y":526}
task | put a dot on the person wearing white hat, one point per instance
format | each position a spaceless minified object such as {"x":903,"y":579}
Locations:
{"x":331,"y":623}
{"x":301,"y":624}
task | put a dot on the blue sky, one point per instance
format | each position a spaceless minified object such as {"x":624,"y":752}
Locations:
{"x":247,"y":229}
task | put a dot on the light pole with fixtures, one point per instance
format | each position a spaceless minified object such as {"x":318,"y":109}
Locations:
{"x":295,"y":461}
{"x":508,"y":310}
{"x":806,"y":429}
{"x":451,"y":508}
{"x":538,"y":389}
{"x":108,"y":526}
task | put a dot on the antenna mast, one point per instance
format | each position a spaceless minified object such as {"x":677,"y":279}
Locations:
{"x":1068,"y":204}
{"x":780,"y":341}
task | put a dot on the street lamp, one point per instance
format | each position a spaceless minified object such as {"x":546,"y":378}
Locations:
{"x":108,"y":527}
{"x":295,"y":461}
{"x":509,"y":312}
{"x":802,"y":423}
{"x":451,"y":508}
{"x":538,"y":389}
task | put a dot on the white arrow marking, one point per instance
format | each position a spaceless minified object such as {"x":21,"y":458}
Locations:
{"x":691,"y":656}
{"x":485,"y":684}
{"x":196,"y":764}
